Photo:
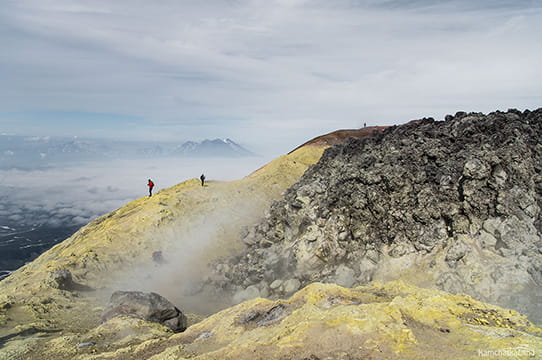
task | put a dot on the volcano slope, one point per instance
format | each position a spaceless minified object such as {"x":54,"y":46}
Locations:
{"x":44,"y":316}
{"x":189,"y":223}
{"x":451,"y":204}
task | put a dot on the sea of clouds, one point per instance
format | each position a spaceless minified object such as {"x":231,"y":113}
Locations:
{"x":78,"y":193}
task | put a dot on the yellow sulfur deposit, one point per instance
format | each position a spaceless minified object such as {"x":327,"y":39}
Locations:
{"x":325,"y":321}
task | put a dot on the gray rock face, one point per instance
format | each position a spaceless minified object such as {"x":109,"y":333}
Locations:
{"x":251,"y":292}
{"x":146,"y":306}
{"x":454,"y":204}
{"x":291,"y":286}
{"x":344,"y":276}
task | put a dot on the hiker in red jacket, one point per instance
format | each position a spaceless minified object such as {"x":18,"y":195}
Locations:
{"x":150,"y":184}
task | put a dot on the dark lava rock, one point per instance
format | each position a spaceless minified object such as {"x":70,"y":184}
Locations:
{"x":273,"y":315}
{"x":146,"y":306}
{"x":454,"y":204}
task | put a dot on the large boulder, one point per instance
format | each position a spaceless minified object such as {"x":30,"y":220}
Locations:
{"x":146,"y":306}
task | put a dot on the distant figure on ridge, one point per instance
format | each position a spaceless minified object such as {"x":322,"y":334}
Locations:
{"x":202,"y":178}
{"x":150,"y":184}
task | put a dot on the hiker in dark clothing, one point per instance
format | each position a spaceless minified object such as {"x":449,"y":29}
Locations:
{"x":202,"y":178}
{"x":150,"y":184}
{"x":158,"y":257}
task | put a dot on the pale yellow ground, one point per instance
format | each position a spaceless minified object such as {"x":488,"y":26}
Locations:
{"x":322,"y":321}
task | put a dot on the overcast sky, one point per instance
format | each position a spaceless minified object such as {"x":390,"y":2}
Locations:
{"x":268,"y":74}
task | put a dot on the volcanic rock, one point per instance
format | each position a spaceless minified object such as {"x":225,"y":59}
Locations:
{"x":61,"y":279}
{"x":452,"y":204}
{"x":146,"y":306}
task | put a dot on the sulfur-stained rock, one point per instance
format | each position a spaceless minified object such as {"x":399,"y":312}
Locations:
{"x":325,"y":321}
{"x":117,"y":334}
{"x":422,"y":202}
{"x":116,"y":249}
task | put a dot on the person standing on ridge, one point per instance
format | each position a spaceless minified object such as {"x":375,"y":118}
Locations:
{"x":202,"y":178}
{"x":150,"y":184}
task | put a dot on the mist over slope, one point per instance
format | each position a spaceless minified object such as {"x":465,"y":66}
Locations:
{"x":191,"y":224}
{"x":454,"y":204}
{"x":42,"y":207}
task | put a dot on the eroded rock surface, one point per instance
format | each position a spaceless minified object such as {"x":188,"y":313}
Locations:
{"x":146,"y":306}
{"x":453,"y":204}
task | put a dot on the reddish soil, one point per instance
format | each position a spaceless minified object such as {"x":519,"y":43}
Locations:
{"x":339,"y":136}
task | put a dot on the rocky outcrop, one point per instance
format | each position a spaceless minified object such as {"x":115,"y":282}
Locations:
{"x":146,"y":306}
{"x":452,"y":204}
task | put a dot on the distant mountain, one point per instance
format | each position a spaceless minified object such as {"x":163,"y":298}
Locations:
{"x":212,"y":148}
{"x":27,"y":152}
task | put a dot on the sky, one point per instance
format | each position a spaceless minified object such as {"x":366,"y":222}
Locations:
{"x":270,"y":74}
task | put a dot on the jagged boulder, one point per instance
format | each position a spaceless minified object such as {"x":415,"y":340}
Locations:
{"x":146,"y":306}
{"x":454,"y":204}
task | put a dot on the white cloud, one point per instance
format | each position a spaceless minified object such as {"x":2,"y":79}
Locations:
{"x":255,"y":68}
{"x":81,"y":193}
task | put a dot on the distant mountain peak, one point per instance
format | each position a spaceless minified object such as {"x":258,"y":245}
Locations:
{"x":26,"y":152}
{"x":212,"y":148}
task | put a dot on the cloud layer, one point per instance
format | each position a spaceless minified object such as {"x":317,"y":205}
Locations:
{"x":276,"y":72}
{"x":78,"y":194}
